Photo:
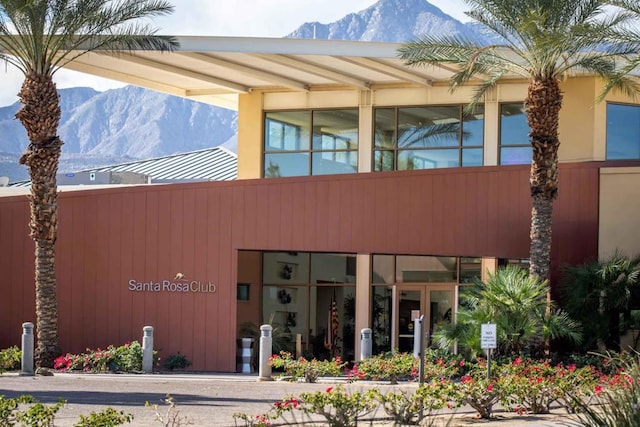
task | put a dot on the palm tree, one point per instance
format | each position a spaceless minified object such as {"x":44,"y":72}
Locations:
{"x":597,"y":294}
{"x":542,"y":41}
{"x":517,"y":303}
{"x":39,"y":37}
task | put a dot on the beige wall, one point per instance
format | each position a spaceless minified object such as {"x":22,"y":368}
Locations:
{"x":250,"y":135}
{"x":582,"y":119}
{"x":619,"y":211}
{"x":577,"y":120}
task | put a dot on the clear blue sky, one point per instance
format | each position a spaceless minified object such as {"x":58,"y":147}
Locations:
{"x":250,"y":18}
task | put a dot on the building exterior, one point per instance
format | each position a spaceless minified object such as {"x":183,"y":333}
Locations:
{"x":363,"y":185}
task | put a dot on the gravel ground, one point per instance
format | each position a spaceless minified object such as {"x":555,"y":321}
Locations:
{"x":209,"y":399}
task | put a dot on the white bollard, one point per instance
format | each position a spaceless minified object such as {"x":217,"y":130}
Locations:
{"x":147,"y":350}
{"x":417,"y":334}
{"x":366,"y":343}
{"x":246,"y":355}
{"x":264,"y":371}
{"x":27,"y":350}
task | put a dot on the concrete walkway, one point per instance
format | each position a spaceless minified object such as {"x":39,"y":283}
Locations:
{"x":210,"y":399}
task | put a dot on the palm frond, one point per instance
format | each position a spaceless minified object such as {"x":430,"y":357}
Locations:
{"x":45,"y":35}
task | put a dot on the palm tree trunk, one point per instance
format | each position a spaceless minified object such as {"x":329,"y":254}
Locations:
{"x":40,"y":115}
{"x":543,"y":103}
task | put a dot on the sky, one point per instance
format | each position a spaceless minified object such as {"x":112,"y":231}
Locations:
{"x":238,"y":18}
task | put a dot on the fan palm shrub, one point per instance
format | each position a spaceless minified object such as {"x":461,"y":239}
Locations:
{"x":517,"y":303}
{"x":599,"y":294}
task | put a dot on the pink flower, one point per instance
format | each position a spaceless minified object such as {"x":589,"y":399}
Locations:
{"x":462,"y":363}
{"x":598,"y":389}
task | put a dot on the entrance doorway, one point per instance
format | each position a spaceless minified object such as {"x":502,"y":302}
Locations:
{"x":436,"y":302}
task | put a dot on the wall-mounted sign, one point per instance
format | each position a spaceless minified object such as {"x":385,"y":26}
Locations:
{"x":170,"y":286}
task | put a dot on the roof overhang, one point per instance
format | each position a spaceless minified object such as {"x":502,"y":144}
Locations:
{"x":215,"y":70}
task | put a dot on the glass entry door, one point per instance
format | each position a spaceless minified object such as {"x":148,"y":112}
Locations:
{"x":436,"y":302}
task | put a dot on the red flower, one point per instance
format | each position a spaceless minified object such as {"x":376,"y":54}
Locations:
{"x":490,"y":387}
{"x":466,"y":379}
{"x":462,"y":363}
{"x":598,"y":390}
{"x":329,"y":389}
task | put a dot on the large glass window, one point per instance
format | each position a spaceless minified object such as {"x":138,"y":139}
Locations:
{"x":319,"y":142}
{"x":623,"y":132}
{"x":312,"y":295}
{"x":427,"y":137}
{"x":515,"y":147}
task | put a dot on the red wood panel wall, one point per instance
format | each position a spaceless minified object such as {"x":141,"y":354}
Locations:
{"x":150,"y":233}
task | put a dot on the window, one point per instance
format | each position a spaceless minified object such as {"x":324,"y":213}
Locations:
{"x":303,"y":293}
{"x":515,"y":147}
{"x":516,"y":262}
{"x":391,"y":269}
{"x":243,"y":293}
{"x":427,"y":137}
{"x":623,"y":132}
{"x":299,"y":143}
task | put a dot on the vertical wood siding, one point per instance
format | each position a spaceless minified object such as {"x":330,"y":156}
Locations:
{"x":150,"y":233}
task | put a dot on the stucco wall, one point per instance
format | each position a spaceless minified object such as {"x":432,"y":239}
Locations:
{"x":619,"y":211}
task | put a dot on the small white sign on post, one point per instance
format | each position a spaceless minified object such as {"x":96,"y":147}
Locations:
{"x":488,"y":336}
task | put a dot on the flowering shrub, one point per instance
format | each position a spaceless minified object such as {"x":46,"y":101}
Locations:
{"x":441,"y":369}
{"x":522,"y":386}
{"x":260,"y":420}
{"x":412,"y":407}
{"x":529,"y":386}
{"x":91,"y":361}
{"x":310,"y":370}
{"x":276,"y":411}
{"x":392,"y":367}
{"x":125,"y":358}
{"x":617,"y":395}
{"x":575,"y":384}
{"x":475,"y":390}
{"x":10,"y":359}
{"x":337,"y":406}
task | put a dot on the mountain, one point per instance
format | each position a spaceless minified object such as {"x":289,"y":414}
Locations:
{"x":122,"y":125}
{"x":119,"y":125}
{"x":389,"y":21}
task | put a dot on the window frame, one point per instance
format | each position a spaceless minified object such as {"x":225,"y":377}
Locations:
{"x":606,"y":148}
{"x":349,"y":152}
{"x":396,"y":150}
{"x":500,"y":145}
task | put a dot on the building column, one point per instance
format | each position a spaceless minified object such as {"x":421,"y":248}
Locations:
{"x":363,"y":297}
{"x":489,"y":265}
{"x":250,"y":125}
{"x":491,"y":132}
{"x":365,"y":129}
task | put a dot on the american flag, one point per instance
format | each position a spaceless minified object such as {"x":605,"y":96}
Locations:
{"x":331,"y":337}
